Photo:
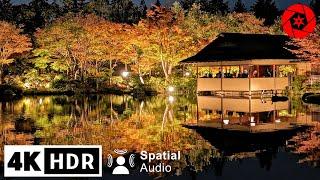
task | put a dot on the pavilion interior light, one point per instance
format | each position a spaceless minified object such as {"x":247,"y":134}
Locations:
{"x":226,"y":121}
{"x":187,"y":74}
{"x":252,"y":119}
{"x":278,"y":120}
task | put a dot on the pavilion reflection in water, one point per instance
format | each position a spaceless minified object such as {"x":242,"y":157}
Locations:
{"x":248,"y":114}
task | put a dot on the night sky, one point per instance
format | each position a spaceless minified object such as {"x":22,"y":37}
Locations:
{"x":282,"y":4}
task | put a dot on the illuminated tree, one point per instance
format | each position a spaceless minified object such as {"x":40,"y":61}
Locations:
{"x":12,"y":43}
{"x":309,"y":48}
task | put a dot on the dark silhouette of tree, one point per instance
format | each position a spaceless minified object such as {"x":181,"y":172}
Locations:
{"x":143,"y":9}
{"x":35,"y":15}
{"x":187,"y":4}
{"x":99,"y":7}
{"x":158,"y":3}
{"x":315,"y":5}
{"x":124,"y":11}
{"x":239,"y":7}
{"x":267,"y":10}
{"x":217,"y":7}
{"x":74,"y":6}
{"x":211,"y":6}
{"x":6,"y":10}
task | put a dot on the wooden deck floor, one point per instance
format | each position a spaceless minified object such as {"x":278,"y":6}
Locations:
{"x":258,"y":128}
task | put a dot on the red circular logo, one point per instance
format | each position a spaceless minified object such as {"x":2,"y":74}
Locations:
{"x":298,"y":21}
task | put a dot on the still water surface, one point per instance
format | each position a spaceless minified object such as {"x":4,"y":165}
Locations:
{"x":155,"y":125}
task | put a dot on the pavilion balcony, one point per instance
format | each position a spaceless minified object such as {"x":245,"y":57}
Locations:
{"x":242,"y":84}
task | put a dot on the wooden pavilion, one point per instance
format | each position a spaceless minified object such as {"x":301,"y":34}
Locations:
{"x":246,"y":63}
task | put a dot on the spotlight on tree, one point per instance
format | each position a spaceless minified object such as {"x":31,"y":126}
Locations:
{"x":125,"y":74}
{"x":171,"y":99}
{"x":171,"y":89}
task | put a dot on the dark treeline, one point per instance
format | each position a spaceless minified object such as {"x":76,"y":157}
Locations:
{"x":38,"y":13}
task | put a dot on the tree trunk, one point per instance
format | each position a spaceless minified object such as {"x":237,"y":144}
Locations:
{"x":110,"y":72}
{"x":1,"y":74}
{"x":97,"y":71}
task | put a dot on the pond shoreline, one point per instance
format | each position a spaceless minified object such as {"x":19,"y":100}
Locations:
{"x":8,"y":92}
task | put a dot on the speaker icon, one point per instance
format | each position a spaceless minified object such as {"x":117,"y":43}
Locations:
{"x":120,"y":169}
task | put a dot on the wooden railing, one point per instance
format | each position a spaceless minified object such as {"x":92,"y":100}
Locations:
{"x":241,"y":84}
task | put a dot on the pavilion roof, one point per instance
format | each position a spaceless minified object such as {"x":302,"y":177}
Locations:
{"x":241,"y":47}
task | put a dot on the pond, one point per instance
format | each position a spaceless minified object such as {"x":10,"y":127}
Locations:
{"x":158,"y":124}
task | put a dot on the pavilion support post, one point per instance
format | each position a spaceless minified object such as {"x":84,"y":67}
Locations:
{"x":222,"y":113}
{"x":274,"y":78}
{"x":249,"y":75}
{"x":221,"y":78}
{"x":197,"y":94}
{"x":197,"y":72}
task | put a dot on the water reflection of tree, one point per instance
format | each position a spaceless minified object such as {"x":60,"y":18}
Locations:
{"x":117,"y":122}
{"x":307,"y":144}
{"x":120,"y":122}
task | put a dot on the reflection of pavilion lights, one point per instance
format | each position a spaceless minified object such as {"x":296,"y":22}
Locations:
{"x":48,"y":85}
{"x":278,"y":120}
{"x":252,"y":119}
{"x":226,"y":121}
{"x":171,"y":99}
{"x":125,"y":74}
{"x":252,"y":122}
{"x":170,"y":88}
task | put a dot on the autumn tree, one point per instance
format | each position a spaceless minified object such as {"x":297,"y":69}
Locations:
{"x":309,"y":48}
{"x":82,"y":46}
{"x":167,"y":42}
{"x":12,"y":43}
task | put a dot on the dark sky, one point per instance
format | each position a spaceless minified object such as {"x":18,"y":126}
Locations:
{"x":282,"y":4}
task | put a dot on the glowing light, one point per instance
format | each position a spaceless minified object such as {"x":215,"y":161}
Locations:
{"x":171,"y":89}
{"x":48,"y":85}
{"x":278,"y":120}
{"x":171,"y":99}
{"x":27,"y":85}
{"x":226,"y":121}
{"x":187,"y":74}
{"x":252,"y":119}
{"x":125,"y":74}
{"x":252,"y":124}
